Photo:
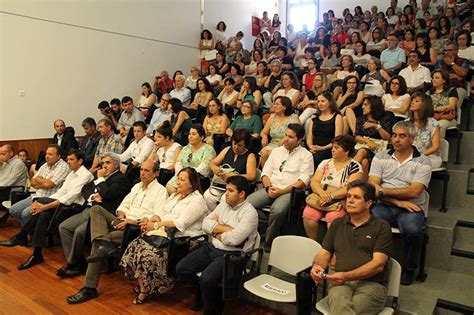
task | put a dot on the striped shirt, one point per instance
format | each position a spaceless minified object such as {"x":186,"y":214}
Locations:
{"x":56,"y":173}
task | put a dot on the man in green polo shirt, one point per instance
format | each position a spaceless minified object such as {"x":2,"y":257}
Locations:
{"x":362,"y":244}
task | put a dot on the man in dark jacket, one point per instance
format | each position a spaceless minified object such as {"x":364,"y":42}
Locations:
{"x":108,"y":191}
{"x":64,"y":137}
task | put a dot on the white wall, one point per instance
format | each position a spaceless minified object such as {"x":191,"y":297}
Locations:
{"x":66,"y":70}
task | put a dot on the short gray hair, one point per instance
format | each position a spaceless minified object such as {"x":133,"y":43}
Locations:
{"x":114,"y":156}
{"x":180,"y":76}
{"x":408,"y":125}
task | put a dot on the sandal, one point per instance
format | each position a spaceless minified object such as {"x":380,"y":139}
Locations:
{"x":141,"y":301}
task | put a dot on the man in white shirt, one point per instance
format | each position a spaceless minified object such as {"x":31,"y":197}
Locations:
{"x":139,"y":150}
{"x":159,"y":115}
{"x":415,"y":74}
{"x":146,"y":199}
{"x":232,"y":227}
{"x":46,"y":181}
{"x":180,"y":92}
{"x":44,"y":209}
{"x":288,"y":166}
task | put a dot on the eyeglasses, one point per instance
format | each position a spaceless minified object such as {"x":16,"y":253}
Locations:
{"x":395,"y":83}
{"x":190,"y":157}
{"x":282,"y":165}
{"x":163,"y":157}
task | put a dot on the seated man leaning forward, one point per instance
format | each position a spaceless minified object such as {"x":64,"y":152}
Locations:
{"x":146,"y":199}
{"x":43,"y":209}
{"x":233,"y":228}
{"x":401,"y":176}
{"x":362,"y":244}
{"x":288,"y":166}
{"x":108,"y":191}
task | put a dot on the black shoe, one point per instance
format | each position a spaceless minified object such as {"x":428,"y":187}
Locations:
{"x":75,"y":270}
{"x":14,"y":241}
{"x":105,"y":249}
{"x":4,"y":218}
{"x":31,"y":261}
{"x":407,"y":277}
{"x":84,"y":294}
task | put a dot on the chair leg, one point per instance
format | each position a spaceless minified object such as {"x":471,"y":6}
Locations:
{"x":422,"y":274}
{"x":197,"y":299}
{"x":458,"y":148}
{"x":445,"y":193}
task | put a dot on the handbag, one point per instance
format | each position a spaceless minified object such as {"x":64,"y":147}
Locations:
{"x":446,"y":115}
{"x":334,"y":205}
{"x":159,"y":238}
{"x":218,"y":183}
{"x":381,"y":145}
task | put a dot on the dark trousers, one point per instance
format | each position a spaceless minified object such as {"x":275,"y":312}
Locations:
{"x":38,"y":224}
{"x":210,"y":261}
{"x":411,"y":225}
{"x":4,"y":196}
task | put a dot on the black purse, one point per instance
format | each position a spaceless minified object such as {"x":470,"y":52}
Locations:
{"x":159,"y":241}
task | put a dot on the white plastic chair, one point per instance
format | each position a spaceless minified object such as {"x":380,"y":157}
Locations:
{"x":290,"y":254}
{"x":393,"y":290}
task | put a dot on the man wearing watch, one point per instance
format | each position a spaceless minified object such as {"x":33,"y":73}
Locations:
{"x":107,"y":230}
{"x":288,"y":166}
{"x":400,"y":176}
{"x":457,"y":67}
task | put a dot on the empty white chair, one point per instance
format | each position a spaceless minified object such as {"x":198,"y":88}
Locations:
{"x":290,"y":254}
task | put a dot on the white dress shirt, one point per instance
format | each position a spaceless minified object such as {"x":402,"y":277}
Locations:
{"x":138,"y":151}
{"x":285,"y":168}
{"x":140,"y":203}
{"x":70,"y":191}
{"x":413,"y":78}
{"x":243,"y":219}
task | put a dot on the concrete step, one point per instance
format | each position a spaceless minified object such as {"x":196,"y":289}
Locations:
{"x":457,"y":187}
{"x":464,"y":238}
{"x":467,"y":142}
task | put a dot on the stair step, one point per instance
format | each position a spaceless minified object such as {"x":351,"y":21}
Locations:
{"x":454,"y":307}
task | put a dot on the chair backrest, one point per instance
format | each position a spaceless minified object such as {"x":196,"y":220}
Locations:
{"x":395,"y":273}
{"x":254,"y":256}
{"x":444,"y":150}
{"x":292,"y":254}
{"x":462,"y":93}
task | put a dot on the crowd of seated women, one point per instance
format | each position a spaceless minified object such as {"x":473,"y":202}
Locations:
{"x":330,"y":80}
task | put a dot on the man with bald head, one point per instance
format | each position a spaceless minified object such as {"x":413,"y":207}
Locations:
{"x":46,"y":181}
{"x":180,"y":92}
{"x":108,"y":191}
{"x":107,"y":230}
{"x":64,"y":137}
{"x":13,"y":172}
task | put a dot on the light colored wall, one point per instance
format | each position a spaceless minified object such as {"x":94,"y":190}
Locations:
{"x":66,"y":70}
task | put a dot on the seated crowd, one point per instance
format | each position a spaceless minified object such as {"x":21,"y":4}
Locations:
{"x":353,"y":112}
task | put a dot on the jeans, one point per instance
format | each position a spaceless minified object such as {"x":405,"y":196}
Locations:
{"x":22,"y":210}
{"x":411,"y":225}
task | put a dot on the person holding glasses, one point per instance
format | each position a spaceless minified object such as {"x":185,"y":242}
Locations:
{"x":197,"y":154}
{"x":288,"y":166}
